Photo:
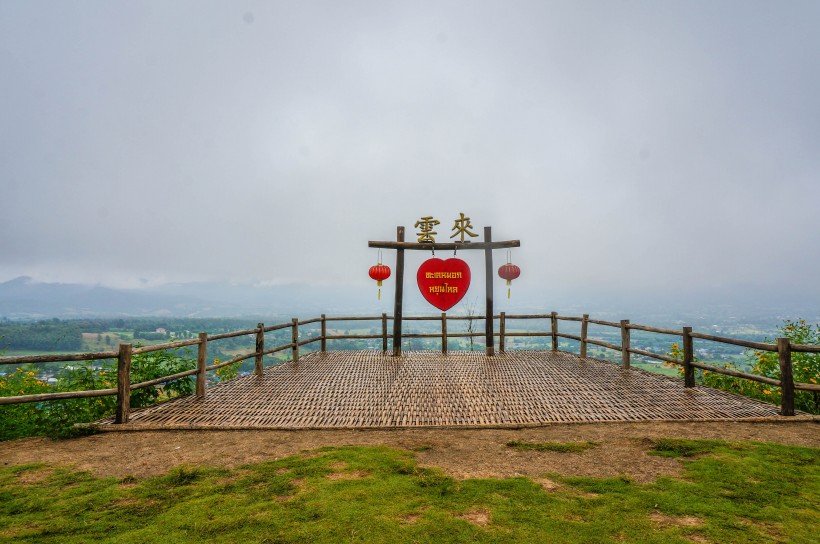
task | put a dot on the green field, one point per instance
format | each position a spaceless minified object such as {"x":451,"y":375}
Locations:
{"x":657,"y":369}
{"x":728,"y":492}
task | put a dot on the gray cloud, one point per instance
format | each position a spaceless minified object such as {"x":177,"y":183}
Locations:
{"x":630,"y":146}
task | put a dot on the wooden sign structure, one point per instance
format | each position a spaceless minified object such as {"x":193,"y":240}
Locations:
{"x":487,"y":245}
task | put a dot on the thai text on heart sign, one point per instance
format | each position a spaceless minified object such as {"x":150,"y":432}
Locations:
{"x":443,"y":283}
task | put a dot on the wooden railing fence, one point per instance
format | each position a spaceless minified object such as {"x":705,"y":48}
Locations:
{"x":783,"y":347}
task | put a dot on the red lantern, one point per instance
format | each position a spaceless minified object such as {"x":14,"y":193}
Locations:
{"x":380,"y":272}
{"x":509,"y":272}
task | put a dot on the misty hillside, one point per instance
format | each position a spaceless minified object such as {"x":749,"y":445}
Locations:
{"x":23,"y":298}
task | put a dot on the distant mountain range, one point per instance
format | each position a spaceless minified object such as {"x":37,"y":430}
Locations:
{"x":23,"y":298}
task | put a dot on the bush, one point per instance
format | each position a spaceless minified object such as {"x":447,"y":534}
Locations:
{"x":806,"y":369}
{"x":226,"y":373}
{"x":56,"y":418}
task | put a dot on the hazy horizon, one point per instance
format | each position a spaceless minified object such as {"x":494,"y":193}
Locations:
{"x":29,"y":300}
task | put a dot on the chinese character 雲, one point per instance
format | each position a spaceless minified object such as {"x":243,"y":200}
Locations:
{"x":426,"y":226}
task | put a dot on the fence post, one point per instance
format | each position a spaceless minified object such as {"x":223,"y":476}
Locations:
{"x":201,"y":363}
{"x":502,"y":324}
{"x":688,"y":357}
{"x":488,"y":288}
{"x":784,"y":355}
{"x":294,"y":335}
{"x":584,"y":327}
{"x":324,"y":333}
{"x":625,"y":343}
{"x":397,"y":309}
{"x":123,"y":384}
{"x":384,"y":332}
{"x":554,"y":325}
{"x":444,"y":332}
{"x":260,"y":347}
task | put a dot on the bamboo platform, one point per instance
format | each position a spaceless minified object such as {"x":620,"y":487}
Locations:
{"x":369,"y":389}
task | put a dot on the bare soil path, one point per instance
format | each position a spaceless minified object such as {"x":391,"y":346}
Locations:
{"x":464,"y":453}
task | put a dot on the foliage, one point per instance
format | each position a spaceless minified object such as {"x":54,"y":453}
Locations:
{"x":681,"y":447}
{"x":19,"y":420}
{"x":150,"y":366}
{"x":51,"y":335}
{"x":560,"y":447}
{"x":56,"y":335}
{"x":228,"y":372}
{"x":750,"y":492}
{"x":56,"y":418}
{"x":805,"y":366}
{"x":806,"y":369}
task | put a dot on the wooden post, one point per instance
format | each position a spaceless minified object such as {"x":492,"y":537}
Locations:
{"x":201,"y":363}
{"x":324,"y":333}
{"x":294,"y":335}
{"x":501,"y":329}
{"x":554,"y":329}
{"x":123,"y":384}
{"x":384,"y":332}
{"x":584,"y":328}
{"x":784,"y":355}
{"x":444,"y":332}
{"x":399,"y":293}
{"x":488,"y":275}
{"x":688,"y":357}
{"x":260,"y":347}
{"x":625,"y":343}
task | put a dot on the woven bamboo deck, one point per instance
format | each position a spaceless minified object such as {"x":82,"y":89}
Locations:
{"x":366,"y":389}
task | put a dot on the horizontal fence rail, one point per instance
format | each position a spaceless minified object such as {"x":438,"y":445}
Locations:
{"x":550,"y":329}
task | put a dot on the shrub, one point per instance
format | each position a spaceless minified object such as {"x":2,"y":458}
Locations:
{"x":806,"y":369}
{"x":56,"y":418}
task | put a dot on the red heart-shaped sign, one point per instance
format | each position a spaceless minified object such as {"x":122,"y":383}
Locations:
{"x":443,"y":283}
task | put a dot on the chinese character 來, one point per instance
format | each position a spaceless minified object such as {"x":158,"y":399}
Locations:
{"x":462,"y":226}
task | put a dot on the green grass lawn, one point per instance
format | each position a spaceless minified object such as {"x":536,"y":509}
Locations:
{"x":729,"y":492}
{"x":561,"y":447}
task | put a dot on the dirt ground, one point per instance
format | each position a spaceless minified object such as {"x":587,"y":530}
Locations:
{"x":464,"y":453}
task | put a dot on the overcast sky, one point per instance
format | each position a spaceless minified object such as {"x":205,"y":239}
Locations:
{"x":628,"y":145}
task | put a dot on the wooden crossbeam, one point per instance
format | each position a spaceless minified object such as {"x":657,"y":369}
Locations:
{"x":446,"y":246}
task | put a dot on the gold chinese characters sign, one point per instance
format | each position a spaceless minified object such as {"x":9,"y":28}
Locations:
{"x":461,"y":226}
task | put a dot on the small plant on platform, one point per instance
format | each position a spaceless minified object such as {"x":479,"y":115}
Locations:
{"x":228,"y":372}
